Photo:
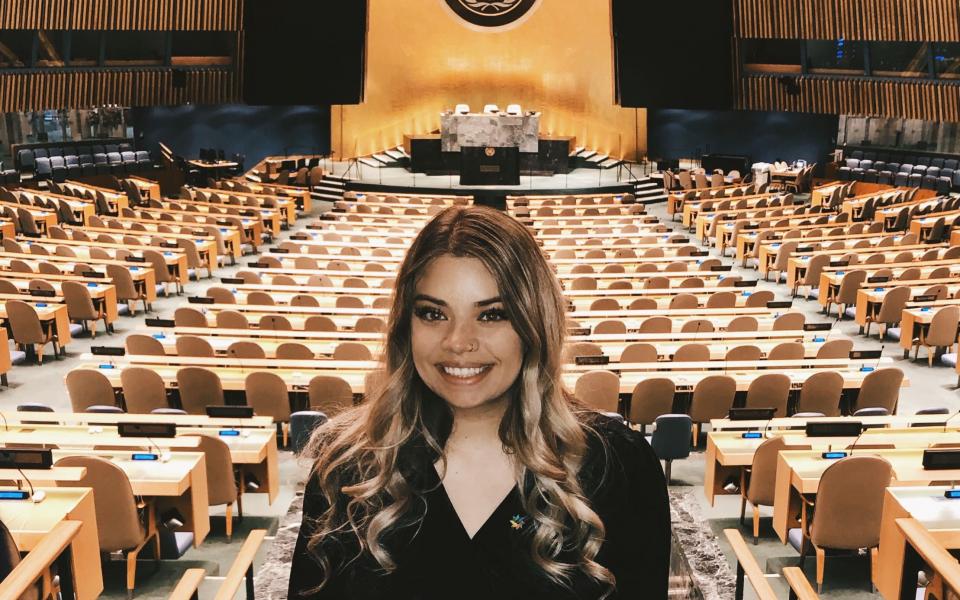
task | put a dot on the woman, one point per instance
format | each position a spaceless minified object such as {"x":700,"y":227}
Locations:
{"x":472,"y":473}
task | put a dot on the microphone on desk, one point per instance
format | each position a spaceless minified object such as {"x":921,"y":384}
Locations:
{"x":162,"y":455}
{"x":863,"y":430}
{"x":35,"y":496}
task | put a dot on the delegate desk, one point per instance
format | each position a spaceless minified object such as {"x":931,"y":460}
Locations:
{"x":205,"y":244}
{"x":728,"y":452}
{"x":832,"y":277}
{"x":799,"y":472}
{"x":750,"y":231}
{"x":175,"y":258}
{"x":230,"y":236}
{"x":919,"y":529}
{"x":254,"y":451}
{"x":871,"y":295}
{"x":29,"y":522}
{"x":142,"y":275}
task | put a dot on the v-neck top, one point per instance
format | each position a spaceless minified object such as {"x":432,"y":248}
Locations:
{"x":436,"y":559}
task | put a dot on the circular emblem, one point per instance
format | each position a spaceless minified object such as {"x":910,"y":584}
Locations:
{"x":490,"y":151}
{"x":491,"y":13}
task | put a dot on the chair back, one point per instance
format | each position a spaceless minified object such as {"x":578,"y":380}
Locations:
{"x":329,"y":394}
{"x":943,"y":327}
{"x":891,"y":308}
{"x":651,"y":399}
{"x":763,"y":472}
{"x":118,"y":521}
{"x":880,"y":389}
{"x":671,"y":438}
{"x":821,"y":393}
{"x":850,"y":503}
{"x":266,"y":393}
{"x":302,"y":424}
{"x":89,"y":387}
{"x":231,"y":319}
{"x":189,"y":345}
{"x":600,"y":390}
{"x":24,"y":322}
{"x":199,"y":388}
{"x":79,"y":302}
{"x":186,"y":316}
{"x":221,"y":483}
{"x":835,"y":349}
{"x":352,"y":351}
{"x":246,"y":349}
{"x":143,"y":390}
{"x":770,"y":390}
{"x":712,"y":398}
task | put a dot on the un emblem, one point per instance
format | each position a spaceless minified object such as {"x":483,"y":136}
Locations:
{"x":491,"y":13}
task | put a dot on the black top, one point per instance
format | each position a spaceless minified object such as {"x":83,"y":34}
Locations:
{"x":436,"y":559}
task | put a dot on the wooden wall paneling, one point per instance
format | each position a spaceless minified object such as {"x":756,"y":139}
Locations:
{"x":210,"y":15}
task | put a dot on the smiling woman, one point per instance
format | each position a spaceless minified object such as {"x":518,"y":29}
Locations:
{"x":472,"y":473}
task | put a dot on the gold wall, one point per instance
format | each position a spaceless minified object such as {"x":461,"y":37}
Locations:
{"x":422,"y":59}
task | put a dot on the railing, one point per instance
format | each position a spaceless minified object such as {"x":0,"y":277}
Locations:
{"x":54,"y":546}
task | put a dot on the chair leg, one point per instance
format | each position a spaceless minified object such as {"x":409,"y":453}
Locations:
{"x":132,"y":571}
{"x":230,"y":521}
{"x":668,"y":470}
{"x":38,"y":348}
{"x":285,"y":432}
{"x":873,"y":569}
{"x":756,"y":524}
{"x":821,"y":559}
{"x":743,"y":506}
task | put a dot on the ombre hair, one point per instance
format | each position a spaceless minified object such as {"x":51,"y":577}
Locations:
{"x":358,"y":453}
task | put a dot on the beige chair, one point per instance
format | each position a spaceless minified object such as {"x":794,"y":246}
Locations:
{"x":186,"y":316}
{"x":275,"y":323}
{"x":849,"y":505}
{"x":759,"y":299}
{"x":370,"y":325}
{"x":748,"y":352}
{"x":770,"y":390}
{"x":650,"y":399}
{"x":319,"y":323}
{"x":783,"y":256}
{"x":610,"y":326}
{"x":581,"y":349}
{"x":890,"y":311}
{"x":691,"y":283}
{"x":743,"y":323}
{"x":124,"y":524}
{"x":28,"y":331}
{"x":89,"y":387}
{"x":712,"y":399}
{"x":811,"y":276}
{"x":329,"y":395}
{"x":605,"y":304}
{"x":600,"y":390}
{"x":160,"y":270}
{"x":81,"y":307}
{"x":821,"y":393}
{"x":231,"y":319}
{"x":643,"y":304}
{"x":143,"y":390}
{"x":199,"y":388}
{"x":697,"y":326}
{"x":787,"y":351}
{"x":758,"y":481}
{"x":942,"y":333}
{"x":792,"y":321}
{"x":221,"y":295}
{"x":352,"y":351}
{"x":835,"y":349}
{"x":127,"y":289}
{"x":692,"y":353}
{"x":138,"y":344}
{"x":222,"y":484}
{"x":684,"y":301}
{"x":880,"y":389}
{"x":656,"y":325}
{"x":304,"y":300}
{"x":243,"y":349}
{"x":722,"y":300}
{"x":260,"y":299}
{"x":639,"y":353}
{"x":294,"y":351}
{"x":267,"y":393}
{"x":846,"y":294}
{"x":189,"y":345}
{"x":194,"y":260}
{"x":656,"y":283}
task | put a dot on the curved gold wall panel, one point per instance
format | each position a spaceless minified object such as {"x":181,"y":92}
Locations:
{"x":224,"y":15}
{"x":421,"y":59}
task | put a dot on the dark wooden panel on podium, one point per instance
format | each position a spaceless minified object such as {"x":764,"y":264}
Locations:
{"x":489,"y":166}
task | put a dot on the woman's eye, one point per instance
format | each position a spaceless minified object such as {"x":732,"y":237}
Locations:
{"x":428,"y":313}
{"x":494,"y":314}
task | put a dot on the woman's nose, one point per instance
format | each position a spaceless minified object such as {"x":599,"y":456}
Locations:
{"x":461,"y":339}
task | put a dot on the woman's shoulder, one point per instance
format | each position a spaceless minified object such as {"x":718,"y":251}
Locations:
{"x":615,"y":453}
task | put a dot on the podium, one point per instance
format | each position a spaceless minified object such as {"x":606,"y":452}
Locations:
{"x":487,"y":165}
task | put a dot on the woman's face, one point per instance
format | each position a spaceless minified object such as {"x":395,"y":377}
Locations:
{"x":464,"y":347}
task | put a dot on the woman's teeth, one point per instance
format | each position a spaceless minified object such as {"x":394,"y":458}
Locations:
{"x":465,"y":373}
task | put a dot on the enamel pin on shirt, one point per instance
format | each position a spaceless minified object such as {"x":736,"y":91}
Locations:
{"x":518,"y":521}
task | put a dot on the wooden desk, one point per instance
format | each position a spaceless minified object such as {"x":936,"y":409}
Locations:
{"x":148,"y":188}
{"x":937,"y":519}
{"x":231,"y":236}
{"x":206,"y":244}
{"x":29,"y":523}
{"x":175,"y":258}
{"x":798,"y":473}
{"x":141,"y":273}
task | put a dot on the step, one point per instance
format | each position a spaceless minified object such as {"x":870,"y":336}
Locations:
{"x":576,"y":151}
{"x":383,"y":159}
{"x":610,"y":163}
{"x":395,"y":154}
{"x":588,"y":154}
{"x":649,"y":185}
{"x":329,"y":197}
{"x":369,"y":162}
{"x":597,"y":158}
{"x":328,"y":189}
{"x":402,"y":151}
{"x":333,"y":181}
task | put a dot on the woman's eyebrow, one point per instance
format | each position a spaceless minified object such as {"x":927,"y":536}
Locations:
{"x":490,"y":301}
{"x":427,"y":298}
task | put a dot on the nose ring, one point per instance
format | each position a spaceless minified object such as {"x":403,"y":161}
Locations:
{"x":473,"y":347}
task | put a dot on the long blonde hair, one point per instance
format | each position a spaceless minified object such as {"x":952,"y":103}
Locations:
{"x":357,"y":452}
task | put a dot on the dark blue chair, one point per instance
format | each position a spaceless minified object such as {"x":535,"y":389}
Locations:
{"x":26,"y":160}
{"x":671,"y":439}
